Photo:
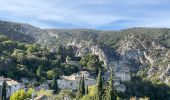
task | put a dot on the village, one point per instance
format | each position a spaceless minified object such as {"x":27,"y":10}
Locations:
{"x":122,"y":74}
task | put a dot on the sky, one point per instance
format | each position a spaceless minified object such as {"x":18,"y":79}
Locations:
{"x":90,"y":14}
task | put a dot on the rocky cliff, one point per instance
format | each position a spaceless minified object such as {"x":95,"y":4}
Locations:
{"x":141,"y":49}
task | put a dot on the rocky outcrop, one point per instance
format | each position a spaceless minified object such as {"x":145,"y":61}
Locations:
{"x":165,"y":76}
{"x":152,"y":71}
{"x":137,"y":48}
{"x":84,"y":47}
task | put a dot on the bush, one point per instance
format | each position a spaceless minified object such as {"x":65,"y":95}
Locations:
{"x":22,"y":95}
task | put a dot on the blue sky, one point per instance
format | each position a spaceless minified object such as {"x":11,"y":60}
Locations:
{"x":93,"y":14}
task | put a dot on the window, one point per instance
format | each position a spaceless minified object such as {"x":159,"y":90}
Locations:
{"x":71,"y":84}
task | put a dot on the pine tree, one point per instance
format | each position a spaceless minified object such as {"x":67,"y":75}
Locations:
{"x":3,"y":95}
{"x":81,"y":89}
{"x":111,"y":93}
{"x":55,"y":85}
{"x":99,"y":87}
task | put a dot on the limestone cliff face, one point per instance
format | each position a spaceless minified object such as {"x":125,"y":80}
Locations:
{"x":84,"y":47}
{"x":137,"y":48}
{"x":146,"y":53}
{"x":165,"y":75}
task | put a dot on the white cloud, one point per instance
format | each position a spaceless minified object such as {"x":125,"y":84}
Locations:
{"x":85,"y":13}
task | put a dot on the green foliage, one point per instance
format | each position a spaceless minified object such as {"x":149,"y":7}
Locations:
{"x":143,"y":88}
{"x":101,"y":91}
{"x":87,"y":97}
{"x":55,"y":85}
{"x":30,"y":60}
{"x":81,"y":89}
{"x":70,"y":52}
{"x":58,"y":96}
{"x":111,"y":92}
{"x":99,"y":87}
{"x":50,"y":74}
{"x":22,"y":95}
{"x":91,"y":93}
{"x":62,"y":52}
{"x":69,"y":69}
{"x":91,"y":62}
{"x":3,"y":38}
{"x":4,"y":91}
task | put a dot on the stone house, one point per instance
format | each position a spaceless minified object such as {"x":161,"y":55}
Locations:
{"x":12,"y":85}
{"x":72,"y":81}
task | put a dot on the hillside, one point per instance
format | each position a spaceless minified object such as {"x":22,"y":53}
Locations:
{"x":22,"y":60}
{"x":145,"y":50}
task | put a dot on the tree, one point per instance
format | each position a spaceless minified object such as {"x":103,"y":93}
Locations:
{"x":81,"y":89}
{"x":87,"y":90}
{"x":55,"y":85}
{"x":91,"y":62}
{"x":22,"y":95}
{"x":99,"y":87}
{"x":70,"y":51}
{"x":50,"y":74}
{"x":3,"y":95}
{"x":111,"y":91}
{"x":62,"y":52}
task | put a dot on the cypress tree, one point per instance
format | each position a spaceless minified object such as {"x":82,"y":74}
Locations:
{"x":99,"y":87}
{"x":87,"y":90}
{"x":81,"y":88}
{"x":111,"y":94}
{"x":3,"y":95}
{"x":55,"y":85}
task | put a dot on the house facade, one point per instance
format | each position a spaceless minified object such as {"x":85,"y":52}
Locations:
{"x":72,"y":82}
{"x":12,"y":85}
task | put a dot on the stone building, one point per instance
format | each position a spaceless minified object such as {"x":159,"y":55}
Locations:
{"x":72,"y":81}
{"x":12,"y":85}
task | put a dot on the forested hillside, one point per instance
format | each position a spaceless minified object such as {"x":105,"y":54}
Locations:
{"x":19,"y":60}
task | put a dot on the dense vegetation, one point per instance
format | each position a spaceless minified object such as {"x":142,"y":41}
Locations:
{"x":92,"y":63}
{"x":101,"y":91}
{"x":31,"y":61}
{"x":143,"y":88}
{"x":136,"y":88}
{"x":22,"y":95}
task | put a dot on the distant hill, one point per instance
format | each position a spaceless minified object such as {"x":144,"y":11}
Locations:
{"x":145,"y":50}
